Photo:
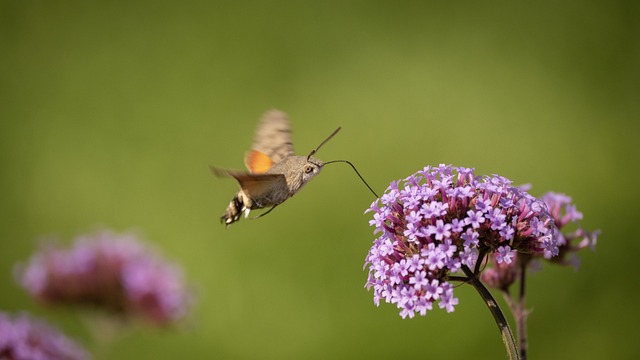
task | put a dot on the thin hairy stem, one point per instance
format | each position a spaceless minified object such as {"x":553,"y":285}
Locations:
{"x":479,"y":261}
{"x":503,"y":326}
{"x":522,"y":313}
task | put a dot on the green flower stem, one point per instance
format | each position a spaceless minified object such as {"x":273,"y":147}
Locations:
{"x":503,"y":326}
{"x":519,"y":308}
{"x":522,"y":314}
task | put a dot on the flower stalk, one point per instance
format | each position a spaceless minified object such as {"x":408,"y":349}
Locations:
{"x":521,"y":313}
{"x":492,"y":305}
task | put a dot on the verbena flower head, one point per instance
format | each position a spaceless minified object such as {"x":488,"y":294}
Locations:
{"x":25,"y":338}
{"x":115,"y":272}
{"x":441,"y":218}
{"x":571,"y":238}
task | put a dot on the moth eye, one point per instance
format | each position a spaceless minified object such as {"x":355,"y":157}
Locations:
{"x":308,"y":169}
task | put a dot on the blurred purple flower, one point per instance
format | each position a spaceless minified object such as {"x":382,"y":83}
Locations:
{"x":499,"y":275}
{"x":25,"y":338}
{"x":115,"y":272}
{"x":441,"y":218}
{"x":564,"y":213}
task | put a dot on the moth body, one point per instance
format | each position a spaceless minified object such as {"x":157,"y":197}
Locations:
{"x":298,"y":170}
{"x":275,"y":172}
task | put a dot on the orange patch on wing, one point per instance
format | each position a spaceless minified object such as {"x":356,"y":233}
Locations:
{"x":257,"y":162}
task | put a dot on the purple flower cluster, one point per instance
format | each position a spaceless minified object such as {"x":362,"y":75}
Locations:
{"x":25,"y":338}
{"x":441,"y":218}
{"x":564,"y":213}
{"x":115,"y":272}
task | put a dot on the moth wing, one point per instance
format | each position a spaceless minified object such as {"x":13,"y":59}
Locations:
{"x":253,"y":185}
{"x":271,"y":142}
{"x":257,"y":162}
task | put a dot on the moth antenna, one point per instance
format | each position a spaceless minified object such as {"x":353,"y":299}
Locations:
{"x":313,"y":152}
{"x":352,"y":166}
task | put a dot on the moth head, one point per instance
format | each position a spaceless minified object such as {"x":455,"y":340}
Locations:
{"x":311,"y":168}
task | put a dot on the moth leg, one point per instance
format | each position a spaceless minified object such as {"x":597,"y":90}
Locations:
{"x":264,"y":213}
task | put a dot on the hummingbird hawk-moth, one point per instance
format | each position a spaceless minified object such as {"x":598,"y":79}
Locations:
{"x":275,"y":172}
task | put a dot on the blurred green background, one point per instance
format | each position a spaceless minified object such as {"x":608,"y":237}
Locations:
{"x":112,"y":111}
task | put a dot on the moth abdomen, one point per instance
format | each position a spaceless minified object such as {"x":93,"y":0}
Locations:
{"x":234,"y":210}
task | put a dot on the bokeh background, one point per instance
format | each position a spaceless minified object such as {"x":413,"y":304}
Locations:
{"x":112,"y":111}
